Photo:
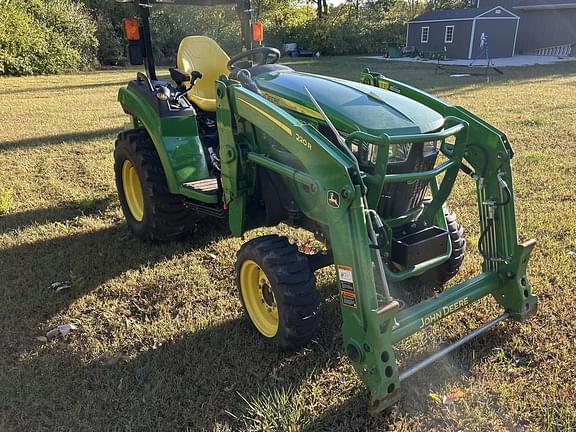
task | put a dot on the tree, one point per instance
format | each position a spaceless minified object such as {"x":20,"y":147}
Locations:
{"x":45,"y":36}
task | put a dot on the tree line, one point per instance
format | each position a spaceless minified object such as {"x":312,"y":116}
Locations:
{"x":52,"y":36}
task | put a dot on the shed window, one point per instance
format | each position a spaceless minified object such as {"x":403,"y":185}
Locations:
{"x":424,"y":34}
{"x":449,"y":34}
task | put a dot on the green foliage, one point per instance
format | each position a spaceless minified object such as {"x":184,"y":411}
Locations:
{"x":278,"y":409}
{"x":51,"y":36}
{"x":6,"y":196}
{"x":108,"y":15}
{"x":44,"y":36}
{"x":346,"y":30}
{"x":171,"y":24}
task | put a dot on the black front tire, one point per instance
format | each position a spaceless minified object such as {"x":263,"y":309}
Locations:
{"x":165,"y":216}
{"x":292,"y":283}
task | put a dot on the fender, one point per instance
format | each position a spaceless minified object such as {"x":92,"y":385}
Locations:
{"x":174,"y":133}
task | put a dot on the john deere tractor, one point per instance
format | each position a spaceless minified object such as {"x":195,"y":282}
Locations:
{"x":366,"y":166}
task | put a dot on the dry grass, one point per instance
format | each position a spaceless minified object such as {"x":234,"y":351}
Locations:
{"x":189,"y":361}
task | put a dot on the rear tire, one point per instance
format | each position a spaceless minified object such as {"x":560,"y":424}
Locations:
{"x":278,"y":291}
{"x":151,"y":211}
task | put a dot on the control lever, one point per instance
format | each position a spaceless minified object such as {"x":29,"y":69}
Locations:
{"x":193,"y":77}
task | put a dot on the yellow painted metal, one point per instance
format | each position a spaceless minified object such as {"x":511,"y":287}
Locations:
{"x":270,"y":117}
{"x":133,"y":190}
{"x":259,"y":298}
{"x":203,"y":54}
{"x":301,"y":109}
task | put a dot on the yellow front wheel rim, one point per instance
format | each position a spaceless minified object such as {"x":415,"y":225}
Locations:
{"x":259,"y":298}
{"x":133,"y":190}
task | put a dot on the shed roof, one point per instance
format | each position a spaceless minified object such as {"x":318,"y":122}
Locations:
{"x":456,"y":14}
{"x":545,"y":4}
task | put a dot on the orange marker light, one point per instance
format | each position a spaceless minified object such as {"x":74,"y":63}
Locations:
{"x":131,"y":28}
{"x":257,"y":31}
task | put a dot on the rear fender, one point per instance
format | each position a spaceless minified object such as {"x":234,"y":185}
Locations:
{"x":174,"y":133}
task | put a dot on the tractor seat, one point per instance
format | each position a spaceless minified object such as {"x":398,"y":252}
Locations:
{"x":203,"y":54}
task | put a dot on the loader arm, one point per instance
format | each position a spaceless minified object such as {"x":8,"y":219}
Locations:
{"x":322,"y":154}
{"x":324,"y":169}
{"x":323,"y":181}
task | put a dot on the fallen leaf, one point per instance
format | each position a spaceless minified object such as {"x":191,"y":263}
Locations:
{"x":64,"y":329}
{"x":520,"y":360}
{"x":60,"y":286}
{"x":274,"y":375}
{"x":456,"y":394}
{"x":60,"y":331}
{"x":108,"y":359}
{"x":435,"y":396}
{"x":42,"y":339}
{"x":452,"y":396}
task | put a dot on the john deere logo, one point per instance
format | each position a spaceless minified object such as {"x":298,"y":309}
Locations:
{"x":333,"y":199}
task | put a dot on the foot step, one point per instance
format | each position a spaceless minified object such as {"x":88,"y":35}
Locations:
{"x":209,"y":185}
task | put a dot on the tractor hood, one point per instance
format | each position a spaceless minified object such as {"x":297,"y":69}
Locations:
{"x":350,"y":106}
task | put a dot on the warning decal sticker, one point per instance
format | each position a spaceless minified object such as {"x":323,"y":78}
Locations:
{"x":347,"y":291}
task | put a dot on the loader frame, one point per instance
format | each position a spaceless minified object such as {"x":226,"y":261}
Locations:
{"x":333,"y":196}
{"x":372,"y":320}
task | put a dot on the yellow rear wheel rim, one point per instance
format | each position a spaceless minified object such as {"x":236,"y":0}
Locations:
{"x":133,"y":190}
{"x":259,"y":298}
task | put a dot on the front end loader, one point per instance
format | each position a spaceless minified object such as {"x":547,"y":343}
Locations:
{"x":366,"y":166}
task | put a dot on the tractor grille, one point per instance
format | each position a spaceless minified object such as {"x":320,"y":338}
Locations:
{"x":400,"y":198}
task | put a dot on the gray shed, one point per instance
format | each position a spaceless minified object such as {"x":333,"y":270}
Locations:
{"x":547,"y":27}
{"x":458,"y":32}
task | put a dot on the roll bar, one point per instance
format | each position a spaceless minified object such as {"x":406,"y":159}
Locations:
{"x":244,"y":8}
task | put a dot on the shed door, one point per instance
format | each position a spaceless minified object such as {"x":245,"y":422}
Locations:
{"x":501,"y":34}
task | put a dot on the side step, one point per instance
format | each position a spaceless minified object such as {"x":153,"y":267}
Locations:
{"x":207,"y":186}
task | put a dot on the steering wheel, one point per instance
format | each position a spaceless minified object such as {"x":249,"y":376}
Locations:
{"x":265,"y":52}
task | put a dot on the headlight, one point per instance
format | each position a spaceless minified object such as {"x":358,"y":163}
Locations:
{"x":398,"y":153}
{"x":431,"y":148}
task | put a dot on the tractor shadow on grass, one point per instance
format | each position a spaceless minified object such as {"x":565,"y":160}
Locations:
{"x":64,"y":212}
{"x":58,"y":88}
{"x":59,"y":139}
{"x":187,"y":384}
{"x":85,"y":260}
{"x":194,"y":382}
{"x":415,"y":400}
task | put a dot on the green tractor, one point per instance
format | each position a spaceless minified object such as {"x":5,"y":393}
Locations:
{"x":252,"y":142}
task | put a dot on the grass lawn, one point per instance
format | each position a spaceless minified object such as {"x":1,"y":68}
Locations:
{"x":189,"y":360}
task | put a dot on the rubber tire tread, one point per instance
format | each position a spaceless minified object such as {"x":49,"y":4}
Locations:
{"x":166,"y":217}
{"x":293,"y":284}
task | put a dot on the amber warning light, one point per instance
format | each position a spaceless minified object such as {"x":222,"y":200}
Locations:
{"x":257,"y":31}
{"x":131,"y":29}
